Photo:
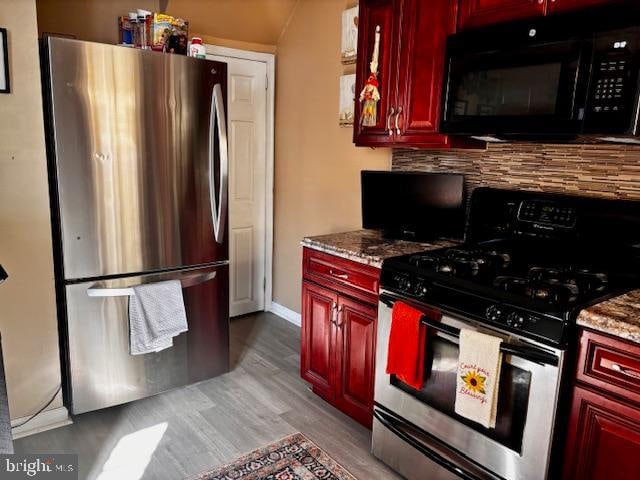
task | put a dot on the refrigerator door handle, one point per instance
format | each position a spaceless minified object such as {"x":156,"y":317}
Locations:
{"x":187,"y":281}
{"x":219,"y":204}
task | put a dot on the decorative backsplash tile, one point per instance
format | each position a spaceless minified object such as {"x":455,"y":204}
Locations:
{"x":610,"y":171}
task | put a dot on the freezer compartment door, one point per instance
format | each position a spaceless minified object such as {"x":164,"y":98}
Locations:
{"x":140,"y":157}
{"x":102,"y":373}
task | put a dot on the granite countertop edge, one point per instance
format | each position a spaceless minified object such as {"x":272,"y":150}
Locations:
{"x":368,"y":247}
{"x":342,"y":252}
{"x":618,"y":317}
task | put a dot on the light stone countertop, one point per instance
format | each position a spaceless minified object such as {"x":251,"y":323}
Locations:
{"x":369,"y":246}
{"x":618,"y":316}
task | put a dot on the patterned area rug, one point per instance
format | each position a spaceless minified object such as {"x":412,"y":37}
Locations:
{"x":292,"y":458}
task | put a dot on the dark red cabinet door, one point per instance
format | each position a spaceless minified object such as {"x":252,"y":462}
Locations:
{"x":565,"y":5}
{"x":603,"y":440}
{"x":477,"y":13}
{"x":386,"y":15}
{"x":316,"y":353}
{"x":425,"y":27}
{"x":355,"y":359}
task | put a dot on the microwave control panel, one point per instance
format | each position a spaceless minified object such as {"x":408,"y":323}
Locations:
{"x":611,"y":83}
{"x":614,"y":77}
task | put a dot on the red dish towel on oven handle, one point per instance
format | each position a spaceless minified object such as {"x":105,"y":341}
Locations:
{"x":407,"y":343}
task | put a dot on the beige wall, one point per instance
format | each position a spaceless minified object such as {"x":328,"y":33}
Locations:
{"x":94,"y":20}
{"x":27,"y":299}
{"x":250,"y":21}
{"x":245,"y":24}
{"x":317,"y":177}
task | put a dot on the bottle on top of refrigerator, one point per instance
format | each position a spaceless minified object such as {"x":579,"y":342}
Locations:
{"x":197,"y":49}
{"x":133,"y":22}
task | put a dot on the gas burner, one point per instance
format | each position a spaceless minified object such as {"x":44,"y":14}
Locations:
{"x":424,"y":261}
{"x":551,"y":291}
{"x":459,"y":267}
{"x":489,"y":258}
{"x":463,"y":263}
{"x":584,"y":280}
{"x":502,"y":259}
{"x":458,"y":263}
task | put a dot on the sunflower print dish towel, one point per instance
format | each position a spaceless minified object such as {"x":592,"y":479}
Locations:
{"x":478,"y":374}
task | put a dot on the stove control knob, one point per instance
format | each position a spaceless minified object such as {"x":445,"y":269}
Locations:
{"x":515,"y":320}
{"x":419,"y":288}
{"x":494,"y":313}
{"x":404,"y":284}
{"x":401,"y":281}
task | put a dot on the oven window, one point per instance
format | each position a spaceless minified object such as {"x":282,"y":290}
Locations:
{"x":439,"y":391}
{"x":514,"y":91}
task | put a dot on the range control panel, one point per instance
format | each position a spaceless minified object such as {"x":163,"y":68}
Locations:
{"x":547,"y":213}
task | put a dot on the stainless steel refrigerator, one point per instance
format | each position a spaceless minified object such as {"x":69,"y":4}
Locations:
{"x":138,"y":174}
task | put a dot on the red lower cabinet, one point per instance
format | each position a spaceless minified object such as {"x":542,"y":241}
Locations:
{"x":603,"y":440}
{"x":317,"y":352}
{"x":355,"y":359}
{"x":338,"y":336}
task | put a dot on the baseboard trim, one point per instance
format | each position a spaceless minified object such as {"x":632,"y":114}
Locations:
{"x":47,"y":420}
{"x":286,"y":313}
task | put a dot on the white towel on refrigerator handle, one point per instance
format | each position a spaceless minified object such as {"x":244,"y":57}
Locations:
{"x":478,"y":377}
{"x":156,"y":315}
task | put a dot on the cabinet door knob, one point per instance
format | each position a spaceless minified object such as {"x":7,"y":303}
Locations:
{"x":391,"y":112}
{"x":397,"y":115}
{"x":339,"y":321}
{"x":334,"y":310}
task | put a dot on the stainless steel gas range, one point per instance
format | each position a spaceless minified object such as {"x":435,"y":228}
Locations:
{"x":529,"y":264}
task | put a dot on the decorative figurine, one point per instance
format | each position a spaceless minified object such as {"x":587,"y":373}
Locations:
{"x":370,"y":95}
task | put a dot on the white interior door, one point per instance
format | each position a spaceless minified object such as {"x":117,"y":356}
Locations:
{"x":247,"y":103}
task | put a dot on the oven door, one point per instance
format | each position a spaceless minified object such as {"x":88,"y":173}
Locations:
{"x":504,"y":88}
{"x":424,"y":420}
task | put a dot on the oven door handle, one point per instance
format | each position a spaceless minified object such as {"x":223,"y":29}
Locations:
{"x":532,"y":354}
{"x":394,"y":425}
{"x":522,"y":351}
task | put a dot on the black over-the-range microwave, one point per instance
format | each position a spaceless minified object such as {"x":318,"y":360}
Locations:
{"x":560,"y":76}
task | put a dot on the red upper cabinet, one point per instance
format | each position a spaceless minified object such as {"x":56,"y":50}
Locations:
{"x":425,"y":28}
{"x":477,"y":13}
{"x":566,"y":5}
{"x":373,"y":14}
{"x":413,"y":35}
